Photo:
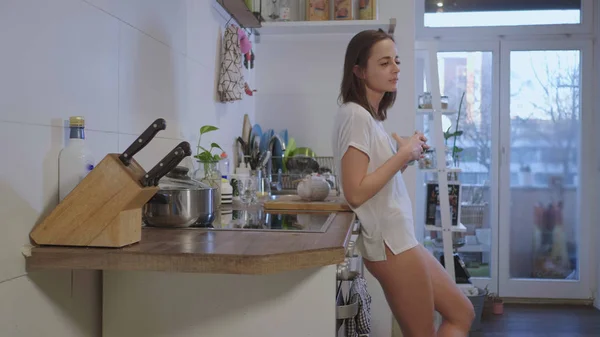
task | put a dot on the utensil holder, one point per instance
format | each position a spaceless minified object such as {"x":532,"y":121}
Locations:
{"x":103,"y":210}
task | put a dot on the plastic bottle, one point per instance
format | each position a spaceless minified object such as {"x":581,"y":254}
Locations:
{"x":75,"y":160}
{"x":224,"y":165}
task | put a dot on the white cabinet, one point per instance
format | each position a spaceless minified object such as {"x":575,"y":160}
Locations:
{"x":159,"y":304}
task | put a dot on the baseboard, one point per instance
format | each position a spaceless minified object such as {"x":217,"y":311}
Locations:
{"x":522,"y":300}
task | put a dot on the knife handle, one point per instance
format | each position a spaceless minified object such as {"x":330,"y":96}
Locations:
{"x":158,"y":125}
{"x":161,"y":168}
{"x":170,"y":161}
{"x":187,"y":149}
{"x":170,"y":166}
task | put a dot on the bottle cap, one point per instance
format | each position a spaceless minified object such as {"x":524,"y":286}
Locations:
{"x":76,"y":121}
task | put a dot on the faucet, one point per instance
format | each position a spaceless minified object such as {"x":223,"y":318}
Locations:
{"x":278,"y":184}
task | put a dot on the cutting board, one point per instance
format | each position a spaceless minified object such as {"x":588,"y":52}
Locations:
{"x":294,"y":202}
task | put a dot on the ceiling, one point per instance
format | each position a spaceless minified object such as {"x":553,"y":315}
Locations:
{"x":499,"y":5}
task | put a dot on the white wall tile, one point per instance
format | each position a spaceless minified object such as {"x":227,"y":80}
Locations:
{"x":307,"y":117}
{"x":301,"y":67}
{"x":29,"y":182}
{"x":150,"y":77}
{"x":190,"y":27}
{"x":165,"y":21}
{"x":48,"y":304}
{"x":58,"y":59}
{"x":158,"y":83}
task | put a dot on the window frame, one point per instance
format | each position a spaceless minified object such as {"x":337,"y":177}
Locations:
{"x":456,"y":33}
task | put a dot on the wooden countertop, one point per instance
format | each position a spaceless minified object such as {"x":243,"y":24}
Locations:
{"x":207,"y":251}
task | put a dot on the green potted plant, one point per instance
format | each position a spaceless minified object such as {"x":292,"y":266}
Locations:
{"x":455,"y":150}
{"x":206,"y":157}
{"x":208,"y":169}
{"x":494,"y":303}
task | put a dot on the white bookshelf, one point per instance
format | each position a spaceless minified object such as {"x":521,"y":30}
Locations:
{"x":428,"y":50}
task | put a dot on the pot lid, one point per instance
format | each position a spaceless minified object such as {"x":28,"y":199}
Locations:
{"x":178,"y":178}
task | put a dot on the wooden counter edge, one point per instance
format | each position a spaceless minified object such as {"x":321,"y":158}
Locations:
{"x":42,"y":258}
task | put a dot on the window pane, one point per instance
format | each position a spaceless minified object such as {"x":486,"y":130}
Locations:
{"x":469,"y":13}
{"x":545,"y":138}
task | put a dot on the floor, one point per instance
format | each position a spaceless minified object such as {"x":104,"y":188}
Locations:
{"x":530,"y":320}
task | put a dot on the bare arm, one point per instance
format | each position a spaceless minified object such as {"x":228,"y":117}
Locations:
{"x":357,"y":184}
{"x":401,"y":141}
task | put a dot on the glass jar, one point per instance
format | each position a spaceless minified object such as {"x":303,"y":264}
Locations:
{"x":449,"y":158}
{"x":208,"y":173}
{"x":428,"y":160}
{"x":425,"y":101}
{"x":444,"y":102}
{"x":285,"y":10}
{"x":274,"y":16}
{"x":247,"y":187}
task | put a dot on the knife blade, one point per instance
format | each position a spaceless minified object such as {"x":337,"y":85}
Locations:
{"x":172,"y":159}
{"x":143,"y":140}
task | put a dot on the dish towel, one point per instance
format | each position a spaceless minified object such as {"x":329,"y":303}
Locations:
{"x":360,"y":325}
{"x":231,"y":79}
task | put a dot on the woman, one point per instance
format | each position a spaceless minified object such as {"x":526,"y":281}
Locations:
{"x":371,"y":167}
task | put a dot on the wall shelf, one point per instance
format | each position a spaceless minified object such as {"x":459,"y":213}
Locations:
{"x":240,"y":13}
{"x":326,"y":27}
{"x":430,"y":111}
{"x":436,"y":170}
{"x":459,"y":228}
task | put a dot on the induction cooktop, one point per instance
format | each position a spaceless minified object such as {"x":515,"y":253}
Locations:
{"x":261,"y":220}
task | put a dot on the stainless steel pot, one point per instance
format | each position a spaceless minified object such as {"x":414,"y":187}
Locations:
{"x":180,"y":204}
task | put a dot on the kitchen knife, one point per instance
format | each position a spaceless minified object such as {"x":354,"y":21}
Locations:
{"x":170,"y":166}
{"x":171,"y":160}
{"x":142,"y":141}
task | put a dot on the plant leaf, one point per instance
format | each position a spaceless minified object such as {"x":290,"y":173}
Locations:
{"x":213,"y":145}
{"x":207,"y":128}
{"x":204,"y":157}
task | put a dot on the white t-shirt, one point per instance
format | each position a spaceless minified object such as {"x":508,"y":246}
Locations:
{"x":387,"y":217}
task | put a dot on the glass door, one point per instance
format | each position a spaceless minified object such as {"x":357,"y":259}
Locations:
{"x":544,"y":221}
{"x":469,"y":74}
{"x":469,"y":81}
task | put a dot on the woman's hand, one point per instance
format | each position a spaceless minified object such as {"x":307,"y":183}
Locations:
{"x":413,"y":146}
{"x":400,"y":141}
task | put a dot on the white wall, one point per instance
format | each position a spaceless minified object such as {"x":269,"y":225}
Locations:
{"x":121,"y":64}
{"x":301,"y":95}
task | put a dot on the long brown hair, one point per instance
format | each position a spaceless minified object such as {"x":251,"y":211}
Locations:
{"x":353,"y":89}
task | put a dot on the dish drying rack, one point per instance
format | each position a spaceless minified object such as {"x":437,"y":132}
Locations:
{"x":289,"y":180}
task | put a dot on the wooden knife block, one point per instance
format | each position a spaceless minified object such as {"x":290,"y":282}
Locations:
{"x":103,"y":210}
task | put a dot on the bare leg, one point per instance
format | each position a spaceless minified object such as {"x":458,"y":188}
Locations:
{"x":406,"y":282}
{"x":456,"y":309}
